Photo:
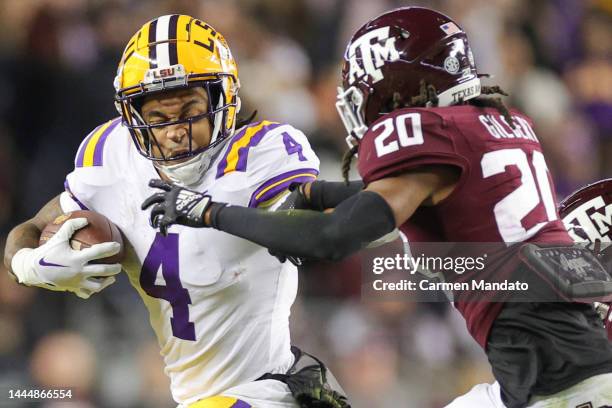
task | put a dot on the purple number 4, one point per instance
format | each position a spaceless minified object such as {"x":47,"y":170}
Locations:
{"x":292,"y":146}
{"x":164,"y":253}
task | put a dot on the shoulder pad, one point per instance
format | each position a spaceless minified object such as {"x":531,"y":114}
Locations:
{"x":264,"y":159}
{"x":406,"y":139}
{"x":96,"y":158}
{"x":262,"y":137}
{"x":91,"y":150}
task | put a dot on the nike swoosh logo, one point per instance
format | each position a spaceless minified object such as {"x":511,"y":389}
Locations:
{"x":42,"y":262}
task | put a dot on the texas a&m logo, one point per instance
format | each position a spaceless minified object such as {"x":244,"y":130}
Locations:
{"x":595,"y":218}
{"x":368,"y":53}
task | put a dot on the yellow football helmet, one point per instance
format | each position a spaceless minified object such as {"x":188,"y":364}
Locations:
{"x":172,"y":52}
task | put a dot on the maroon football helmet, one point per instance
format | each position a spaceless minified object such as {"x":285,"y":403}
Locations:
{"x":392,"y":54}
{"x":587,"y":215}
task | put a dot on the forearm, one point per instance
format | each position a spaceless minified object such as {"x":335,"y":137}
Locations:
{"x":24,"y":235}
{"x":27,"y":234}
{"x":329,"y":194}
{"x":355,"y":222}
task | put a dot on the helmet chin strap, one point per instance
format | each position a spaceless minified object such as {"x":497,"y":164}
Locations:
{"x":190,"y":172}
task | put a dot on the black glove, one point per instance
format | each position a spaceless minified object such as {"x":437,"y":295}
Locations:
{"x":308,"y":382}
{"x":296,"y":200}
{"x":176,"y":205}
{"x":310,"y":389}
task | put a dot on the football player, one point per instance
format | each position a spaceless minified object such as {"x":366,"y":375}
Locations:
{"x":586,"y":215}
{"x":218,"y":304}
{"x":442,"y":161}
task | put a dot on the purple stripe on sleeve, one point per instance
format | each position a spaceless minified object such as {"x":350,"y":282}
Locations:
{"x":240,"y":404}
{"x":223,"y":163}
{"x":99,"y":150}
{"x":243,"y":152}
{"x":301,"y":177}
{"x":81,"y":154}
{"x":71,"y":194}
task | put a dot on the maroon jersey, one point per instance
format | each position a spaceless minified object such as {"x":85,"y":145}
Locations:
{"x":504,"y":194}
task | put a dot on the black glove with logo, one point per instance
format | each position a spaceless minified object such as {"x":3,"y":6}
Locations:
{"x":176,"y":205}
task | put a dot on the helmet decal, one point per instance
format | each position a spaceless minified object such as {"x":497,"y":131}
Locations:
{"x":587,"y":215}
{"x":594,"y":216}
{"x":369,"y":52}
{"x":451,"y":65}
{"x":450,"y":28}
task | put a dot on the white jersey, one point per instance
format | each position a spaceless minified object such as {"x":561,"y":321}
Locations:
{"x":219,"y":304}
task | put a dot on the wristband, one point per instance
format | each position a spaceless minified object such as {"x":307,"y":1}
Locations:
{"x":24,"y":274}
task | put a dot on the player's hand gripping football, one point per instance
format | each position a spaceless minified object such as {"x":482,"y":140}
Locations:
{"x":56,"y":266}
{"x":176,"y":205}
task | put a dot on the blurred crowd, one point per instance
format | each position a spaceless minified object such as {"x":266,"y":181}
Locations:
{"x":57,"y":63}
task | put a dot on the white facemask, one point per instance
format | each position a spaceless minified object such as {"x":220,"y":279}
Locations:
{"x":190,"y":172}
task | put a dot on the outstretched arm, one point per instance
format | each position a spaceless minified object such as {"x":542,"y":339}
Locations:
{"x":358,"y":220}
{"x":353,"y":224}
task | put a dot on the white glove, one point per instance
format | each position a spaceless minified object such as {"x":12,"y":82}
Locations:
{"x":56,"y":266}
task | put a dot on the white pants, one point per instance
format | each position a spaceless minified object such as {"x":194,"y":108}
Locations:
{"x":482,"y":395}
{"x":596,"y":390}
{"x":264,"y":394}
{"x":257,"y":394}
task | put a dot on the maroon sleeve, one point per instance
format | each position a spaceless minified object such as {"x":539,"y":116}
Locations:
{"x":406,"y":139}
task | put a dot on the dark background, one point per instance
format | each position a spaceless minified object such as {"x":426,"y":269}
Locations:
{"x":57,"y":63}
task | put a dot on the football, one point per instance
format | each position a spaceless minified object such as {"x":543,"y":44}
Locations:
{"x":99,"y":229}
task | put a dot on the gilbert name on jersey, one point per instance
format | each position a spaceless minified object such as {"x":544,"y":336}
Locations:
{"x":504,"y":193}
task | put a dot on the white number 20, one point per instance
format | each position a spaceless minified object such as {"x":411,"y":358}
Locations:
{"x":416,"y":137}
{"x":510,"y":210}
